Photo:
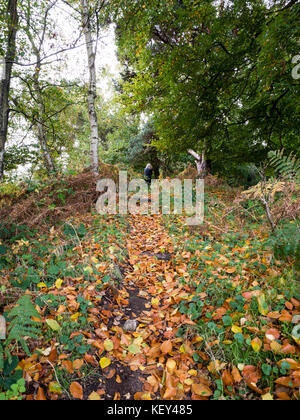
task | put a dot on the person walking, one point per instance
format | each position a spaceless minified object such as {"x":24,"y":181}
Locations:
{"x":148,"y":174}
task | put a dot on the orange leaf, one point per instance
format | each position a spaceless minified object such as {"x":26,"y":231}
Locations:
{"x":251,"y":374}
{"x":171,"y":365}
{"x":76,"y":390}
{"x":293,"y":364}
{"x":285,"y":316}
{"x":236,"y":375}
{"x":169,"y":393}
{"x":77,"y":364}
{"x":166,"y":347}
{"x":201,"y":390}
{"x":68,"y":365}
{"x":227,"y":378}
{"x":285,"y":381}
{"x":90,"y":359}
{"x":40,"y":396}
{"x":272,"y":334}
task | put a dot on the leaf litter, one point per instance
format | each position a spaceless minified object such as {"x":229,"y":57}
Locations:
{"x":179,"y":346}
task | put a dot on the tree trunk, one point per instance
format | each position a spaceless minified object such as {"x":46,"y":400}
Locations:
{"x":40,"y":123}
{"x":201,"y":162}
{"x":12,"y":15}
{"x":41,"y":129}
{"x":92,"y":92}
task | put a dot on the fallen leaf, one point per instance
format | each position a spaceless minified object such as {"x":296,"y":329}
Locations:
{"x":202,"y":390}
{"x":166,"y":347}
{"x":256,"y":344}
{"x":76,"y":390}
{"x":104,"y":362}
{"x":94,"y":396}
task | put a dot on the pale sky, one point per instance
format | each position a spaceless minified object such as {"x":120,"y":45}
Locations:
{"x":72,"y":64}
{"x":75,"y":61}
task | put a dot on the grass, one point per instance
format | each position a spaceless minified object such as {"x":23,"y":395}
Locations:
{"x":222,"y":267}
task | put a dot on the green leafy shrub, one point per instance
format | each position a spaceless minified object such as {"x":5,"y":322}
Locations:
{"x":14,"y":392}
{"x":286,"y":241}
{"x":9,"y":374}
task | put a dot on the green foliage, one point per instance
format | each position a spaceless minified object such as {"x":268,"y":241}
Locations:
{"x":288,"y":167}
{"x":285,"y":241}
{"x":20,"y":326}
{"x":212,"y":76}
{"x":15,"y":391}
{"x":9,"y":374}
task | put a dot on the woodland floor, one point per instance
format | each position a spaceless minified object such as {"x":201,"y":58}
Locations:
{"x":214,"y":316}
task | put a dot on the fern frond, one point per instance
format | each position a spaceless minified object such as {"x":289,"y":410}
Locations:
{"x":21,"y":324}
{"x":287,"y":166}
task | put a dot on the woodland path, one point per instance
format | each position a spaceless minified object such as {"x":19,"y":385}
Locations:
{"x":157,"y":361}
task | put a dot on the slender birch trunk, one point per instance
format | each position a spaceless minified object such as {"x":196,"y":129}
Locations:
{"x":41,"y":128}
{"x":92,"y":92}
{"x":5,"y":77}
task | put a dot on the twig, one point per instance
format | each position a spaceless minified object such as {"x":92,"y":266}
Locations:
{"x":57,"y":380}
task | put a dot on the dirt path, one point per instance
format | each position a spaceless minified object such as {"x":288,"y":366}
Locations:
{"x":147,"y":355}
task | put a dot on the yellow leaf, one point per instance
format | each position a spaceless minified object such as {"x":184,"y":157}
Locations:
{"x":188,"y":381}
{"x":75,"y":316}
{"x":41,"y":285}
{"x":267,"y":397}
{"x":155,"y":302}
{"x":53,"y":324}
{"x":182,"y":348}
{"x":215,"y":366}
{"x":235,"y":329}
{"x":262,"y":305}
{"x":104,"y":362}
{"x":193,"y":372}
{"x":55,"y":388}
{"x":256,"y":344}
{"x":88,"y":269}
{"x":58,"y":283}
{"x":108,"y":345}
{"x":94,"y":397}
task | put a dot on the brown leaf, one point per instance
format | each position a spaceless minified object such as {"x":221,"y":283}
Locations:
{"x":251,"y":374}
{"x":227,"y":378}
{"x":77,"y":364}
{"x":285,"y":381}
{"x":166,"y":347}
{"x":201,"y":390}
{"x":90,"y":359}
{"x":40,"y":396}
{"x":169,"y":393}
{"x":76,"y":390}
{"x":293,"y":364}
{"x":68,"y":365}
{"x":236,"y":375}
